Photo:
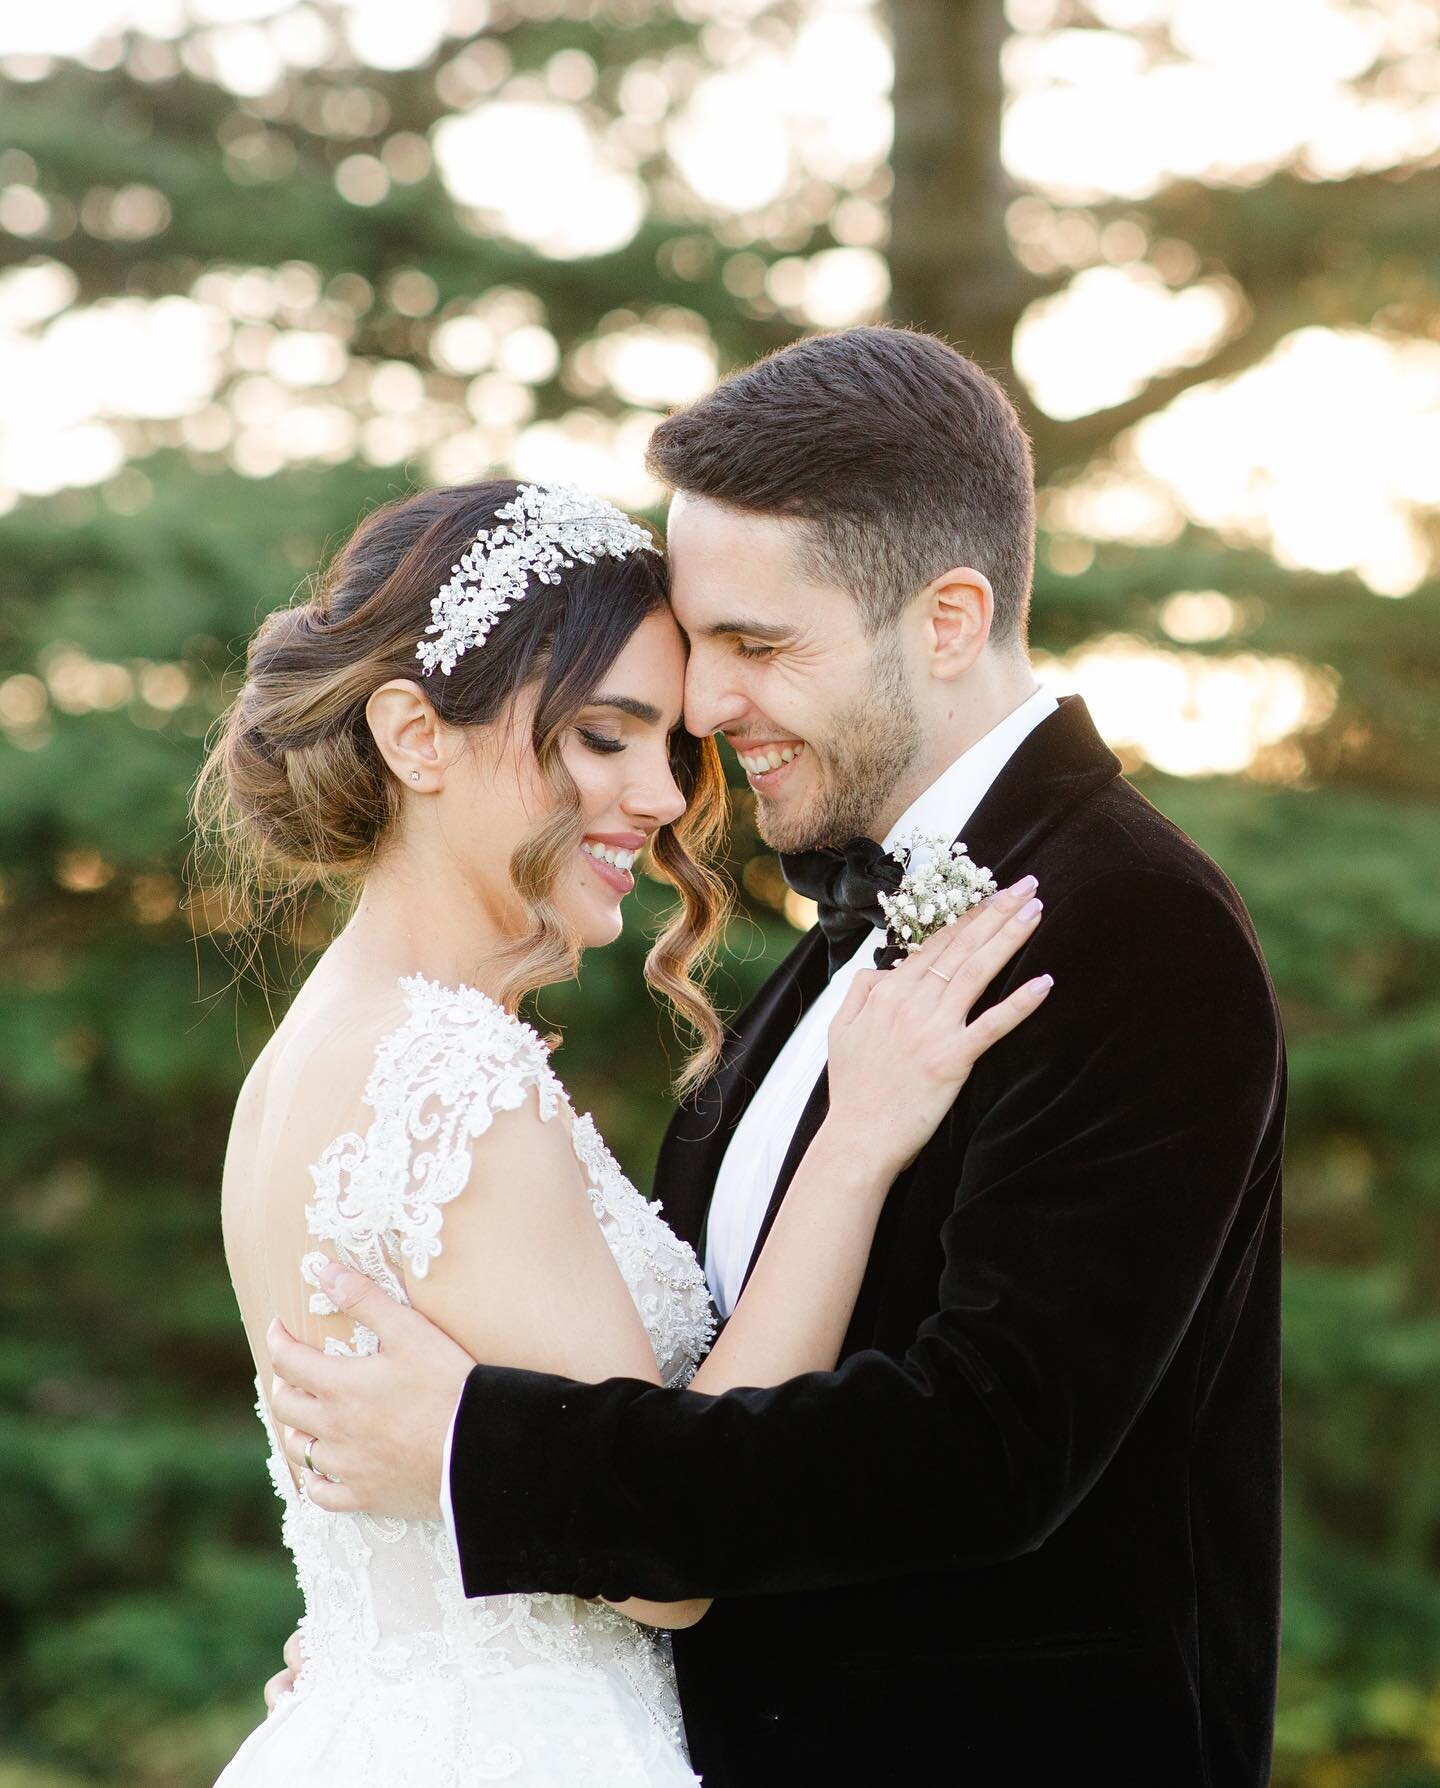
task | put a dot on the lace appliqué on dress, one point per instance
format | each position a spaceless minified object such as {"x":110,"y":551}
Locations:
{"x":665,"y":1279}
{"x":436,"y":1086}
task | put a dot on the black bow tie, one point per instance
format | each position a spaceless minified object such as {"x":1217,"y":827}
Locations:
{"x":844,"y":884}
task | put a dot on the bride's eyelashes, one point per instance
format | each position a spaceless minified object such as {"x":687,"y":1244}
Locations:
{"x":599,"y":741}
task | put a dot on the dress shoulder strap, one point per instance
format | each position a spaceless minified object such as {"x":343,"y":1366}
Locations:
{"x":437,"y":1082}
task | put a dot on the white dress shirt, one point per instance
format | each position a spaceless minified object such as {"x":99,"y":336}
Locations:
{"x":757,"y":1149}
{"x":762,"y":1137}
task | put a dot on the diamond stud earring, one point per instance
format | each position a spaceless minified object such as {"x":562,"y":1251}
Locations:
{"x":414,"y":775}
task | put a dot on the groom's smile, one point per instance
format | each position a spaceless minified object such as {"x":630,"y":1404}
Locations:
{"x":765,"y":764}
{"x":780,"y":770}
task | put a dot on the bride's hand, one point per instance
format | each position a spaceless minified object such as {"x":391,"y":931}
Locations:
{"x":900,"y":1047}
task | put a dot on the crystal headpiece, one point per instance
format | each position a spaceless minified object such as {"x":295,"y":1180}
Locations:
{"x":539,"y":534}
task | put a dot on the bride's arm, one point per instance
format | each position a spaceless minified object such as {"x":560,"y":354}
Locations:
{"x":524,"y":1273}
{"x":899,"y":1051}
{"x":526,"y":1277}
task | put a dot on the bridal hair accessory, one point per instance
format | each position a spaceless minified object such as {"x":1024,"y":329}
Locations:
{"x":935,"y":894}
{"x":540,"y":533}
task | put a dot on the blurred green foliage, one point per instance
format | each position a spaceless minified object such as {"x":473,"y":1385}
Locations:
{"x":143,"y":1592}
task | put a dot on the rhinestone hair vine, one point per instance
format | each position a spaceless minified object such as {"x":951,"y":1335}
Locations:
{"x":541,"y":532}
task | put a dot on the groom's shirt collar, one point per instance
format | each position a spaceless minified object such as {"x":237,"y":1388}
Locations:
{"x":946,"y":807}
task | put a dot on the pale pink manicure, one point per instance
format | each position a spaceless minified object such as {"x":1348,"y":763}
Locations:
{"x":1026,"y":885}
{"x":1032,"y":909}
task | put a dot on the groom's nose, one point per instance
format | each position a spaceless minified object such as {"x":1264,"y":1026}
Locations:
{"x":713,"y":699}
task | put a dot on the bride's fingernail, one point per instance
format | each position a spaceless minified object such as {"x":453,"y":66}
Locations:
{"x":1032,"y":909}
{"x":1026,"y":885}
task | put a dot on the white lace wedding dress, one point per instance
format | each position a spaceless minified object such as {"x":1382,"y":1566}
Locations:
{"x":407,"y":1683}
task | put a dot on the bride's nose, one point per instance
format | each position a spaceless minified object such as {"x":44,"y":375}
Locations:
{"x":654,"y":797}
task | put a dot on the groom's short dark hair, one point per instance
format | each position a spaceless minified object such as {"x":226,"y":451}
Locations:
{"x":902,"y":457}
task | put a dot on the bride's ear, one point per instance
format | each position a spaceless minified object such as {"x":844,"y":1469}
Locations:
{"x":413,"y":740}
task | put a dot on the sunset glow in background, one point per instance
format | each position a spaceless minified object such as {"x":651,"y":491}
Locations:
{"x":256,"y":365}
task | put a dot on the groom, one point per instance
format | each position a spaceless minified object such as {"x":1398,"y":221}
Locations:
{"x":1028,"y":1531}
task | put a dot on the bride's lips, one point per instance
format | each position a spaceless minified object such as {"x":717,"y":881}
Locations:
{"x":620,"y":881}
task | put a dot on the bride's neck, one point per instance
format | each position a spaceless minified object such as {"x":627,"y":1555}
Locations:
{"x":413,"y":920}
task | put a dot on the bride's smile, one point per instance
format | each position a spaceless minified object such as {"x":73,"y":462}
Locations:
{"x":619,"y":758}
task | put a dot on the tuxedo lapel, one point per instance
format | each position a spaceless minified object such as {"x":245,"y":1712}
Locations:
{"x":700,"y":1132}
{"x":1053,"y":769}
{"x":1062,"y":762}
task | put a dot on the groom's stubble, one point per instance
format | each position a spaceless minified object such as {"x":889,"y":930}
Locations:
{"x":868,"y":745}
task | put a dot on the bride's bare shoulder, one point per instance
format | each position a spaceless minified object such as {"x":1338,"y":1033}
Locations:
{"x":325,"y":1045}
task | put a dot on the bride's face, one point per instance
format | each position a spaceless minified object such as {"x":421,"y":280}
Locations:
{"x":617,"y":752}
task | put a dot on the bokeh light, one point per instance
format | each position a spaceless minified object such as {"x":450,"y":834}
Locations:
{"x":776,"y":130}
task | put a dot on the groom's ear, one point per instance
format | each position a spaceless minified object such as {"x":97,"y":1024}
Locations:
{"x":958,"y":611}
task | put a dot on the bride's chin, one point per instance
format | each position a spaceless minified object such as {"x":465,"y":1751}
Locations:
{"x":593,"y":923}
{"x":596,"y":932}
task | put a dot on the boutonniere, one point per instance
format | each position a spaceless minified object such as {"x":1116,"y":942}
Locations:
{"x":947,"y":884}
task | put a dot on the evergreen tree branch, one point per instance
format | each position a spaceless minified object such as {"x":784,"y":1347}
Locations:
{"x":1337,"y":252}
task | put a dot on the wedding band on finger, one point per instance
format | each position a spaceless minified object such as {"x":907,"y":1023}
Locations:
{"x":313,"y":1468}
{"x":930,"y":969}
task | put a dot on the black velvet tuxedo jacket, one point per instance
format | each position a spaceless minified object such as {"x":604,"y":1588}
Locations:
{"x":1028,"y":1531}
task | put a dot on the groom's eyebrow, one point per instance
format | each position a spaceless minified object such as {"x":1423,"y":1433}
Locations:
{"x":627,"y":704}
{"x":769,"y":630}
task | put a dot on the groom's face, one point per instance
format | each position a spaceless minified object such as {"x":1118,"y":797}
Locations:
{"x":820,"y":714}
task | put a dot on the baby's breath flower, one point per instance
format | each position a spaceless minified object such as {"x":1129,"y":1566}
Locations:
{"x":935,"y":895}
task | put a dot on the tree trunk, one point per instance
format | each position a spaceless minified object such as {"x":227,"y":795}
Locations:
{"x":950,"y":263}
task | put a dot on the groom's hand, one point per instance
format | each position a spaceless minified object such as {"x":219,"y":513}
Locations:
{"x":283,"y":1681}
{"x":375,"y":1425}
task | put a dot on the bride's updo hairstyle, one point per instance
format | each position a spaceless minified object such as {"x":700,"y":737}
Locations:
{"x":295,"y":793}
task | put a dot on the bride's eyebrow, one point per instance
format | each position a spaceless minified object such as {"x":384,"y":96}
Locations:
{"x":626,"y":704}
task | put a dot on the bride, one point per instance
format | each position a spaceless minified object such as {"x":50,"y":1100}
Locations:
{"x":476,"y":725}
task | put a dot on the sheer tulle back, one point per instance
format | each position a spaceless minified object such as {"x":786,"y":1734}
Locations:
{"x":406,"y":1680}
